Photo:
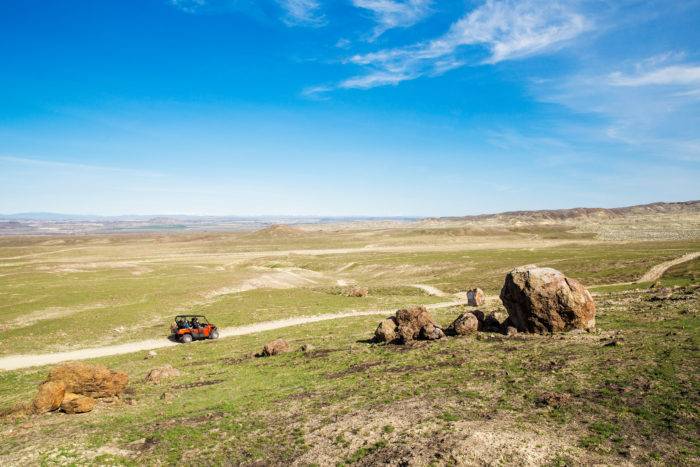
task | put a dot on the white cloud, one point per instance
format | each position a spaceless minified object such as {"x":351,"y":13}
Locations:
{"x":651,"y":105}
{"x":390,"y":14}
{"x":681,"y":75}
{"x":295,"y":12}
{"x":302,"y":12}
{"x":508,"y":29}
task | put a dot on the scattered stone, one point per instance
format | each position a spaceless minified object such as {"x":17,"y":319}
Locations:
{"x":408,"y":325}
{"x":357,"y":292}
{"x":151,"y":354}
{"x":476,"y":297}
{"x":387,"y":331}
{"x":307,"y":348}
{"x":164,"y":372}
{"x":552,"y":399}
{"x":89,"y":380}
{"x":75,"y":403}
{"x":614,"y":343}
{"x":275,"y":347}
{"x":543,"y":300}
{"x":466,"y":323}
{"x":49,"y":397}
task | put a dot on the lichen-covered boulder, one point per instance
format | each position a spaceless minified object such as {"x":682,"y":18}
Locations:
{"x":387,"y":330}
{"x":466,"y":323}
{"x":90,"y":380}
{"x":543,"y":300}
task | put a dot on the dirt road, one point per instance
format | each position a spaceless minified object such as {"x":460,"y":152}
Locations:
{"x":657,"y":271}
{"x":14,"y":362}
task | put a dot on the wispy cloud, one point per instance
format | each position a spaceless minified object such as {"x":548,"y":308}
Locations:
{"x":302,"y":13}
{"x":506,"y":29}
{"x":48,"y":164}
{"x":294,"y":12}
{"x":682,"y":75}
{"x":390,"y":14}
{"x":650,"y":105}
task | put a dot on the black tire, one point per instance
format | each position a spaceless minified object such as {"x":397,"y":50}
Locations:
{"x":186,"y":338}
{"x":214,"y":334}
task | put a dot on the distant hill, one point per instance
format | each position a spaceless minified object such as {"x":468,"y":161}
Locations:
{"x":558,"y":215}
{"x":277,"y":231}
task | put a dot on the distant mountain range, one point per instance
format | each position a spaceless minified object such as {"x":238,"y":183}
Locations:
{"x":586,"y":213}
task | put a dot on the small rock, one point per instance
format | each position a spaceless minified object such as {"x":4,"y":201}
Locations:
{"x":163,"y":372}
{"x":75,"y":403}
{"x":307,"y":348}
{"x":511,"y":331}
{"x":275,"y":347}
{"x":151,"y":354}
{"x":357,"y":292}
{"x":476,"y":297}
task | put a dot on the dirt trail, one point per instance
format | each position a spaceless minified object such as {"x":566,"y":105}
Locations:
{"x":657,"y":271}
{"x":14,"y":362}
{"x":430,"y":290}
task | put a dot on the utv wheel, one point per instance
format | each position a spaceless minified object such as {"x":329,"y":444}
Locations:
{"x":186,"y":338}
{"x":214,"y":334}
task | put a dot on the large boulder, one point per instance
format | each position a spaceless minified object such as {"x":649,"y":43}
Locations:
{"x":75,"y":403}
{"x":466,"y":323}
{"x":164,"y":372}
{"x":49,"y":396}
{"x":275,"y":347}
{"x":89,"y":380}
{"x":409,"y":325}
{"x":543,"y":300}
{"x":476,"y":297}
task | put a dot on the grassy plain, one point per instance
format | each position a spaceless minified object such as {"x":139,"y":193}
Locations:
{"x":558,"y":400}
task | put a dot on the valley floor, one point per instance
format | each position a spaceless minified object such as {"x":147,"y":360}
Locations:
{"x":624,"y":394}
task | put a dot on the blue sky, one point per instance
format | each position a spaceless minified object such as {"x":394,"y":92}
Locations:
{"x":346,"y":107}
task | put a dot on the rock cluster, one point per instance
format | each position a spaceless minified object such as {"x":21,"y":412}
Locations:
{"x":73,"y":388}
{"x":408,"y":325}
{"x":538,"y":300}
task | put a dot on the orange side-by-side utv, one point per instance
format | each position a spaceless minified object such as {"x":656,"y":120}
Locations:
{"x":191,"y":327}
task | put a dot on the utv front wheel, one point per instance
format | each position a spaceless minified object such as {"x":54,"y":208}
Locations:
{"x":186,"y":338}
{"x":214,"y":334}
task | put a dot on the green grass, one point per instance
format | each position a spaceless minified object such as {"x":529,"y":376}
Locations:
{"x":232,"y":407}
